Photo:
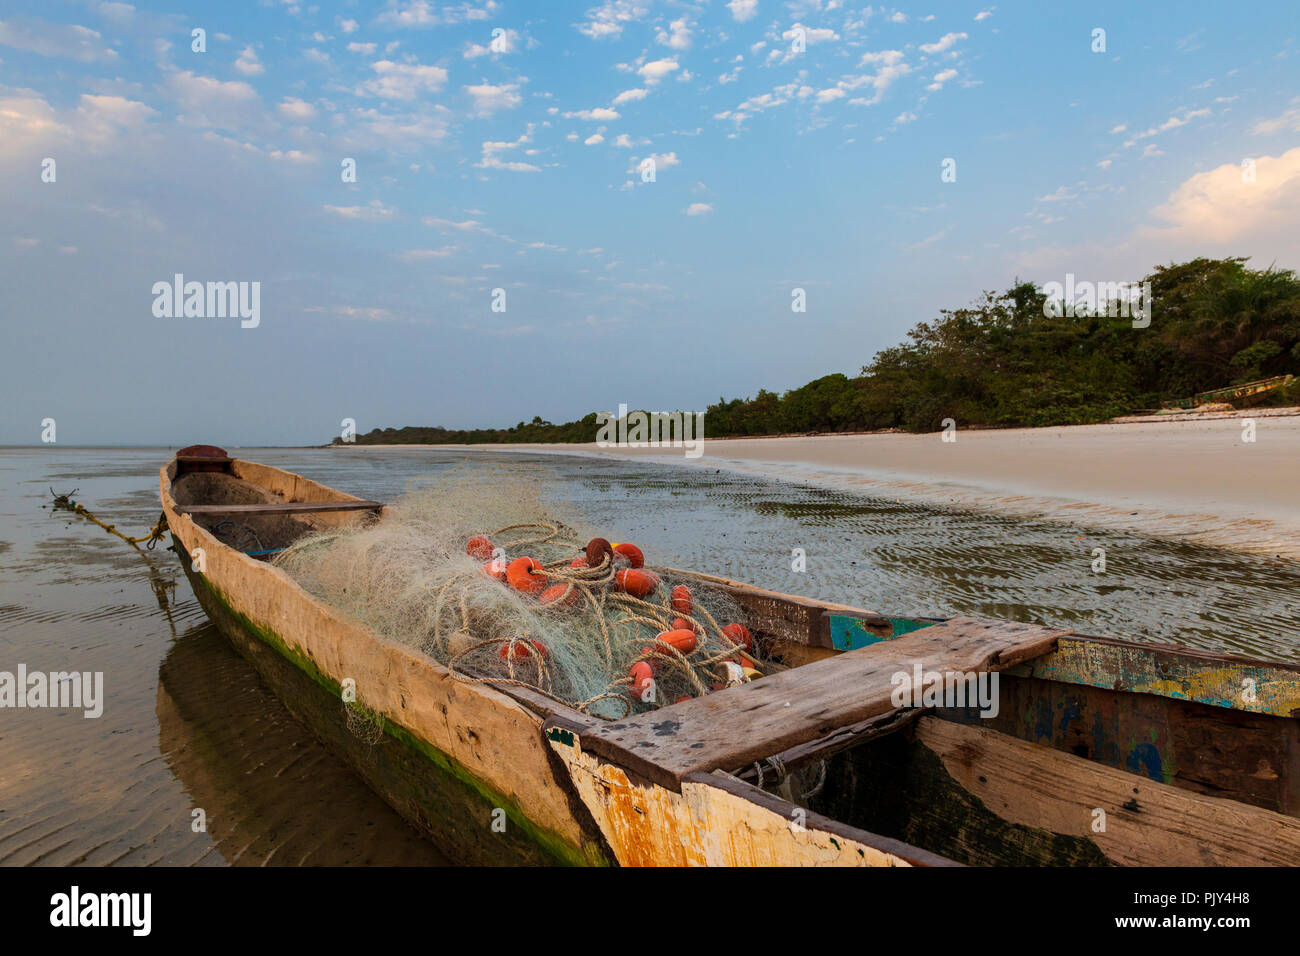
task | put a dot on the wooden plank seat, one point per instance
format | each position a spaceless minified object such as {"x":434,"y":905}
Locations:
{"x":731,"y":729}
{"x":279,"y":508}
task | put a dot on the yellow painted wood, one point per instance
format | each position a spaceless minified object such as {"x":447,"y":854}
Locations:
{"x":1254,"y":686}
{"x":704,"y":825}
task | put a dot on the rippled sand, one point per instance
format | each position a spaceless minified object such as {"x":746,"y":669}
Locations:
{"x":1193,"y":480}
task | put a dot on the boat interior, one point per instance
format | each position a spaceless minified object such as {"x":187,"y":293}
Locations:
{"x":1094,"y":751}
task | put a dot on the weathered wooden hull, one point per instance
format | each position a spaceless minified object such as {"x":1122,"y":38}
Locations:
{"x":455,"y":760}
{"x":434,"y":793}
{"x":1103,"y":752}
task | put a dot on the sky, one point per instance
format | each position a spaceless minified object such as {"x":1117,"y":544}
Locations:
{"x":502,"y":250}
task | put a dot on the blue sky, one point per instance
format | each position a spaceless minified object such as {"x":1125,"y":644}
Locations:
{"x":514,"y":164}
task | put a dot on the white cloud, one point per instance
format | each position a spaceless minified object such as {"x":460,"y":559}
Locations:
{"x":983,"y":15}
{"x":1062,"y":194}
{"x":398,"y":131}
{"x":403,"y":81}
{"x":661,"y":161}
{"x":418,"y":14}
{"x":1289,"y":120}
{"x":698,"y":209}
{"x":594,"y":139}
{"x":295,"y":156}
{"x":1173,"y":122}
{"x":677,"y":36}
{"x":297,"y":109}
{"x":1220,"y":205}
{"x":656,"y":70}
{"x":348,"y":26}
{"x":608,"y":20}
{"x":599,"y":114}
{"x":811,"y":34}
{"x":373,"y":211}
{"x":419,"y":255}
{"x":742,"y":10}
{"x":945,"y":42}
{"x":505,"y":44}
{"x":890,"y":68}
{"x":114,"y":11}
{"x":204,"y":101}
{"x":114,"y":109}
{"x":364,"y":48}
{"x":628,"y":96}
{"x":941,"y":78}
{"x":490,"y":99}
{"x":248,"y":64}
{"x":55,"y":40}
{"x":491,"y":158}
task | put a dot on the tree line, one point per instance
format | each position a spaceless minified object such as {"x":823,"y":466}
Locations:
{"x":1009,"y":360}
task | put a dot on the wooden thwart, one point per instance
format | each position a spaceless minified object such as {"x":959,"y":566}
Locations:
{"x":280,"y":508}
{"x":733,"y":728}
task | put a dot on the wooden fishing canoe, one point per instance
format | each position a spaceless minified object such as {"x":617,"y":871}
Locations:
{"x":1101,"y":751}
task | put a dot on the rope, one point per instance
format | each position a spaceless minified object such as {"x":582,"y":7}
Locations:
{"x":531,"y":670}
{"x":65,"y":503}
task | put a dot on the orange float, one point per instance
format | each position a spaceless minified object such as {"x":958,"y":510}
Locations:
{"x":631,"y":553}
{"x":643,"y":678}
{"x":682,"y":640}
{"x":578,"y":563}
{"x":494,"y":569}
{"x":639,"y":584}
{"x":681,"y":624}
{"x":479,"y":547}
{"x":739,"y":634}
{"x":525,"y":575}
{"x":560,"y":596}
{"x":522,"y":651}
{"x":683,"y":602}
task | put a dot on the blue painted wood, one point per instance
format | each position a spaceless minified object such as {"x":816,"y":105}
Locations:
{"x":850,"y":633}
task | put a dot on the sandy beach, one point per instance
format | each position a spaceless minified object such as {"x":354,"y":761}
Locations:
{"x":1196,"y":480}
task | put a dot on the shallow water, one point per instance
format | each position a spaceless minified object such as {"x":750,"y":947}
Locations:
{"x":188,"y":725}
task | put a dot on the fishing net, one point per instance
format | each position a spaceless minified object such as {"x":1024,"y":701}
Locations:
{"x":584,"y":621}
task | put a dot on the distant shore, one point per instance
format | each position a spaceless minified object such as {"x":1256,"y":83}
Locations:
{"x":1190,"y":478}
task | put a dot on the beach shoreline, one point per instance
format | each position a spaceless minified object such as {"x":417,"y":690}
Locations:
{"x":1194,"y":479}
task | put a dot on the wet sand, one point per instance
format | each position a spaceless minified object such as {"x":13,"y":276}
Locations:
{"x":1196,"y":480}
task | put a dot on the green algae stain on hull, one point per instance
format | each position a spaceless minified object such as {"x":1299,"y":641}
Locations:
{"x":434,"y":792}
